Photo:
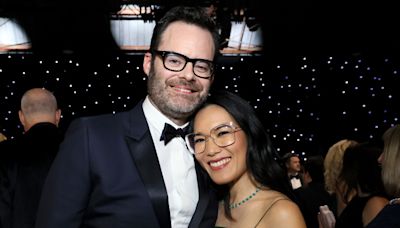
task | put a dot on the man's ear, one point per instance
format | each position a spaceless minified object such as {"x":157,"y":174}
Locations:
{"x":21,"y":117}
{"x":212,"y":79}
{"x":58,"y":116}
{"x":147,"y":63}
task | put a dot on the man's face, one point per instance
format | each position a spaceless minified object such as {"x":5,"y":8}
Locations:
{"x":178,"y":94}
{"x":294,"y":164}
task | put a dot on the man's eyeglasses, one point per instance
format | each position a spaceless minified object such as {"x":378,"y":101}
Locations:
{"x":223,"y":135}
{"x":176,"y":62}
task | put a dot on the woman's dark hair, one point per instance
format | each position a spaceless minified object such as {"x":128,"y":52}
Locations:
{"x":189,"y":14}
{"x":262,"y":158}
{"x":315,"y":168}
{"x":361,"y":170}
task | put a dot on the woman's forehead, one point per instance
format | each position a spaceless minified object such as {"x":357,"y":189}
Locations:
{"x":211,"y":116}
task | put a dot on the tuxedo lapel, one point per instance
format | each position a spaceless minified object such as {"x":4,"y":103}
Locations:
{"x":144,"y":155}
{"x":203,"y":197}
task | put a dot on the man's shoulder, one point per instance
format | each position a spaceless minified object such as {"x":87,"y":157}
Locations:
{"x":115,"y":116}
{"x":41,"y":129}
{"x":8,"y":148}
{"x":102,"y":117}
{"x":106,"y":122}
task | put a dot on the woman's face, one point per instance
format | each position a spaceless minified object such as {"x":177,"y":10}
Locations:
{"x":225,"y":162}
{"x":380,"y":158}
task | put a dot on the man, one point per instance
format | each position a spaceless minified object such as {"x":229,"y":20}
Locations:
{"x":25,"y":160}
{"x":121,"y":170}
{"x":312,"y":194}
{"x":293,"y":167}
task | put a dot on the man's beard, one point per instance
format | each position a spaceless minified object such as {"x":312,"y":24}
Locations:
{"x":177,"y":107}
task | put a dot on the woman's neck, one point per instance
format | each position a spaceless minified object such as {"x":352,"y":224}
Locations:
{"x":242,"y":188}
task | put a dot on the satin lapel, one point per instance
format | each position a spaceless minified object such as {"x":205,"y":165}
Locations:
{"x":203,"y":197}
{"x":144,"y":155}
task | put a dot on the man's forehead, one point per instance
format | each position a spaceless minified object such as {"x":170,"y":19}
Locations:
{"x":295,"y":158}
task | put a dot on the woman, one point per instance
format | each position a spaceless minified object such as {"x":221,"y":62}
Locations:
{"x":333,"y":164}
{"x":390,"y":160}
{"x":230,"y":143}
{"x":361,"y":174}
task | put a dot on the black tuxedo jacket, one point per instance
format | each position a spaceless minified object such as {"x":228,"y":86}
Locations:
{"x":24,"y":163}
{"x":107,"y":174}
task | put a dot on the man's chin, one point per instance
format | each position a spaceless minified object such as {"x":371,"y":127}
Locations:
{"x":183,"y":111}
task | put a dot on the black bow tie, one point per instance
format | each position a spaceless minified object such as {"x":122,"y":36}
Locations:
{"x":170,"y":132}
{"x":294,"y":176}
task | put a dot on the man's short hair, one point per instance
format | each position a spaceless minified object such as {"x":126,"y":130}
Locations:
{"x":286,"y":157}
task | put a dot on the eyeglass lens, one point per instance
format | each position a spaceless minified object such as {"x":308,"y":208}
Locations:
{"x":177,"y":62}
{"x":222,"y":136}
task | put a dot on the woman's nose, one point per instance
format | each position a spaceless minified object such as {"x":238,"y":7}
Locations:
{"x":211,"y":147}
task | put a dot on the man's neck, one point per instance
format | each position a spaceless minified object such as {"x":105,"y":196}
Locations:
{"x":178,"y":121}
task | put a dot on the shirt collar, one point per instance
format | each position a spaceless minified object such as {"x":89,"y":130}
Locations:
{"x":155,"y":118}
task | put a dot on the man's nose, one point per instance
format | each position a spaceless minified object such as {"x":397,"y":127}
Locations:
{"x":188,"y":71}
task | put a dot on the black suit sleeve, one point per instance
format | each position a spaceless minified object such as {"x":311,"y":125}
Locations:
{"x":67,"y":187}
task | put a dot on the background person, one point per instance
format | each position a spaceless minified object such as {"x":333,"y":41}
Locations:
{"x":312,"y":194}
{"x":361,"y":175}
{"x":333,"y":164}
{"x":293,"y":168}
{"x":25,"y":160}
{"x":388,"y":217}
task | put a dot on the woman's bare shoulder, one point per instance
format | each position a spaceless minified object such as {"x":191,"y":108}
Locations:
{"x":282,"y":212}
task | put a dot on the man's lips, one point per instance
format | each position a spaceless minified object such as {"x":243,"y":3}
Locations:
{"x":184,"y":89}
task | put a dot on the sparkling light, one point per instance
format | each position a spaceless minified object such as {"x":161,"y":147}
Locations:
{"x":302,"y":104}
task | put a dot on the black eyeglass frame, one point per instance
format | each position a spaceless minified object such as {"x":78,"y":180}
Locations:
{"x":163,"y":55}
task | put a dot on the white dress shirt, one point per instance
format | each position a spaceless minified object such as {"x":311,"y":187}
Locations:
{"x":177,"y":168}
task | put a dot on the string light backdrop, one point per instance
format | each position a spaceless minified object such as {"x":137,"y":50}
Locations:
{"x":306,"y":104}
